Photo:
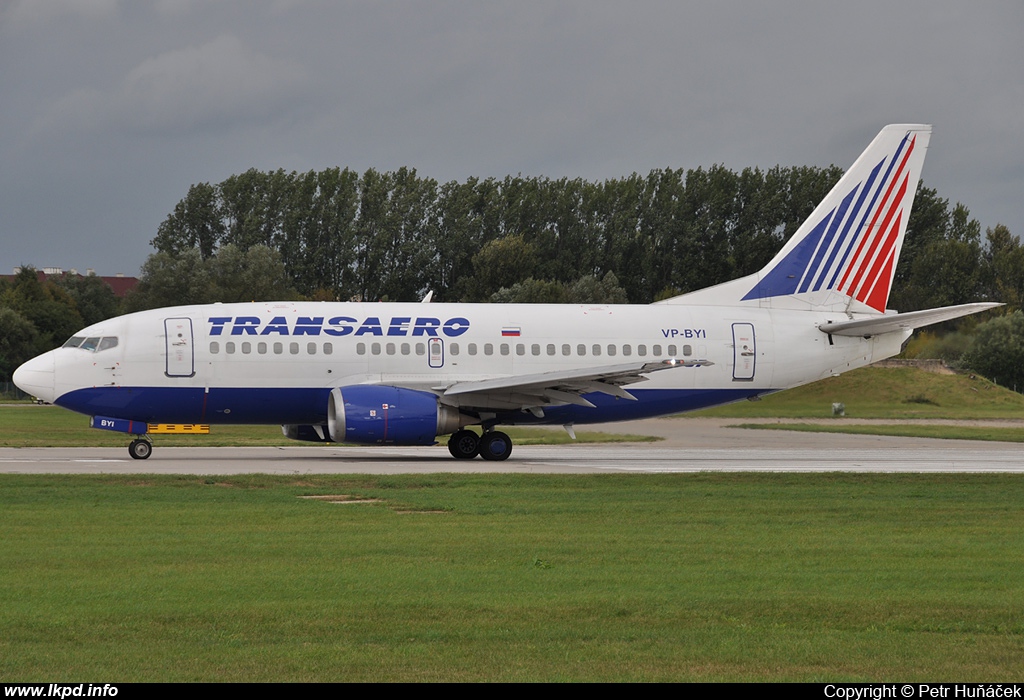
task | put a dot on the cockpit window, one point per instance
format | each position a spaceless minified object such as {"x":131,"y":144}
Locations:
{"x":91,"y":344}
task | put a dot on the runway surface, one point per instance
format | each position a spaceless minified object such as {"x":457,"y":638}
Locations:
{"x":690,"y":445}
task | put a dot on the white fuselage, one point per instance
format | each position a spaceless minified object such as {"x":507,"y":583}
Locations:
{"x":277,"y":362}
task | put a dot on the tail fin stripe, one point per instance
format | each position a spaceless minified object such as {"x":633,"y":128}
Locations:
{"x":870,"y":263}
{"x":784,"y":277}
{"x":843,"y":244}
{"x":826,"y":242}
{"x":887,"y":237}
{"x":878,"y":297}
{"x":865,"y":234}
{"x":888,"y":251}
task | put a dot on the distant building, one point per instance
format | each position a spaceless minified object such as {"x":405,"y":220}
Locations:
{"x":119,"y":283}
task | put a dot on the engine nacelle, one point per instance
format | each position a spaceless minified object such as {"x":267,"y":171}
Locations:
{"x":306,"y":433}
{"x":377,"y":415}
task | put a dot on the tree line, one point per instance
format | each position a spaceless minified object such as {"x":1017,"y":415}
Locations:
{"x":336,"y":234}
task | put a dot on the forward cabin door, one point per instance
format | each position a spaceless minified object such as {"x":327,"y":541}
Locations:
{"x":744,"y":352}
{"x":180,"y":347}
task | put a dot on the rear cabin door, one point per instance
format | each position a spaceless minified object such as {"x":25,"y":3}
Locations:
{"x":181,"y":356}
{"x":744,"y":352}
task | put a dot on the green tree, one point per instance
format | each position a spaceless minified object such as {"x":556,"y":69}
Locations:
{"x":19,"y":341}
{"x":50,"y":309}
{"x":531,"y":291}
{"x":194,"y":223}
{"x":93,"y":297}
{"x":256,"y":274}
{"x":997,"y":351}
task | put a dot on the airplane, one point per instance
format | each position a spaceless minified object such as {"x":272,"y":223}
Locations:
{"x":406,"y":373}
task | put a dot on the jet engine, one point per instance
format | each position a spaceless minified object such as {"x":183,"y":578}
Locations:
{"x":378,"y":415}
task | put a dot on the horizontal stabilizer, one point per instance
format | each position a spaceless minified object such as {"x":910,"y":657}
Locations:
{"x":891,"y":323}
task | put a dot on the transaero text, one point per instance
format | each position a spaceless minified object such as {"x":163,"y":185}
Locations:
{"x":396,"y":326}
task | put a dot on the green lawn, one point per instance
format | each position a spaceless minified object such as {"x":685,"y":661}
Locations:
{"x":699,"y":577}
{"x":883,"y":392}
{"x":943,"y":432}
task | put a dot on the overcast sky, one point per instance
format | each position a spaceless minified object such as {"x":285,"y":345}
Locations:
{"x":110,"y":110}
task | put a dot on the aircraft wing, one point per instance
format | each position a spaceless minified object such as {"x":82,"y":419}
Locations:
{"x":533,"y":391}
{"x":890,"y":323}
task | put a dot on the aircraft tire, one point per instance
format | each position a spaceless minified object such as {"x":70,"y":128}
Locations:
{"x":140,"y":449}
{"x":464,"y":444}
{"x":495,"y":446}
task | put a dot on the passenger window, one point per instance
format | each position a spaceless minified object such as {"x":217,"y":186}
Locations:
{"x":551,"y":349}
{"x":472,"y":348}
{"x":278,"y":348}
{"x":657,"y":351}
{"x":293,"y":348}
{"x":535,"y":349}
{"x":611,"y":351}
{"x":246,"y":348}
{"x":261,"y":348}
{"x":641,"y":350}
{"x":520,"y":349}
{"x":375,"y":348}
{"x":596,"y":350}
{"x":328,"y":349}
{"x":581,"y":350}
{"x":214,"y":347}
{"x":405,"y":348}
{"x":488,"y":349}
{"x":672,"y":351}
{"x":360,"y":348}
{"x":310,"y":348}
{"x":229,"y":348}
{"x":687,"y":350}
{"x":390,"y":348}
{"x":453,"y":348}
{"x":504,"y":348}
{"x":421,"y":349}
{"x":566,"y":349}
{"x":627,"y":350}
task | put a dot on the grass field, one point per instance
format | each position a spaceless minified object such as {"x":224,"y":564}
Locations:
{"x":704,"y":577}
{"x":942,"y":432}
{"x":884,"y":392}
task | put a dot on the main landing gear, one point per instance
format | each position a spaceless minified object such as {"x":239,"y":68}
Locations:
{"x":494,"y":445}
{"x":140,"y":448}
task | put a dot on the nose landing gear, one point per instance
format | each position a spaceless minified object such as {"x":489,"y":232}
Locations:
{"x":140,"y":448}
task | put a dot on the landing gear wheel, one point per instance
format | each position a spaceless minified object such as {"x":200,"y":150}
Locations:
{"x":464,"y":444}
{"x":495,"y":446}
{"x":140,"y":449}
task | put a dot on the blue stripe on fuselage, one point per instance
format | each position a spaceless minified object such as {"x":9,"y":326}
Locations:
{"x":278,"y":406}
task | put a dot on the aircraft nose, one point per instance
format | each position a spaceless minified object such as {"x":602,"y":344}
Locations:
{"x":35,"y":377}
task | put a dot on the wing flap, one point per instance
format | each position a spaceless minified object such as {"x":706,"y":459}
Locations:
{"x":560,"y":387}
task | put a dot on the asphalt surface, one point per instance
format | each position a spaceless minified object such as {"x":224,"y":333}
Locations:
{"x":689,"y":445}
